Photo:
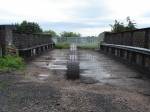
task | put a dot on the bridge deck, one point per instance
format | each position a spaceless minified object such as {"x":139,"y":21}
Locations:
{"x":97,"y":67}
{"x":105,"y":86}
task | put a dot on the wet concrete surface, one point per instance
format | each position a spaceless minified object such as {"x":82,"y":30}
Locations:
{"x":96,"y":67}
{"x":105,"y":86}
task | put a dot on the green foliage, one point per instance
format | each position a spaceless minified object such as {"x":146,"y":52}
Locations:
{"x":11,"y":63}
{"x":51,"y":32}
{"x":28,"y":27}
{"x":131,"y":25}
{"x":120,"y":27}
{"x":88,"y":46}
{"x":70,"y":34}
{"x":62,"y":46}
{"x":117,"y":27}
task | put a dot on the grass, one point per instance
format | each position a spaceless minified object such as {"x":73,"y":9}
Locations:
{"x":67,"y":46}
{"x":87,"y":46}
{"x":9,"y":63}
{"x":62,"y":46}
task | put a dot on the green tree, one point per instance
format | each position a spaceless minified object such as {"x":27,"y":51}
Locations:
{"x":131,"y":25}
{"x":51,"y":32}
{"x":120,"y":27}
{"x":117,"y":27}
{"x":70,"y":34}
{"x":28,"y":27}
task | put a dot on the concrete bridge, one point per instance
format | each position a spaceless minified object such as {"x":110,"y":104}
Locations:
{"x":131,"y":47}
{"x":105,"y":85}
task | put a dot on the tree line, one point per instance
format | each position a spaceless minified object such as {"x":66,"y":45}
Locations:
{"x":32,"y":27}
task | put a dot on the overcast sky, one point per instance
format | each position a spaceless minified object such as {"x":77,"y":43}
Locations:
{"x":88,"y":17}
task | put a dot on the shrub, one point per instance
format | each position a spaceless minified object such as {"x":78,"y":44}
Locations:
{"x":11,"y":63}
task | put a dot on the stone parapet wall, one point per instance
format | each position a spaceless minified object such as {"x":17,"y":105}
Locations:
{"x":22,"y":41}
{"x":11,"y":41}
{"x":136,"y":38}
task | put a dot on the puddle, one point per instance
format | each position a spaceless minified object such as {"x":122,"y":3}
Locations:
{"x":57,"y":67}
{"x":57,"y":64}
{"x":91,"y":67}
{"x":43,"y":76}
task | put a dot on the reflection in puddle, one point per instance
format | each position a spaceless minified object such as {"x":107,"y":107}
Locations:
{"x":91,"y":67}
{"x":42,"y":76}
{"x":57,"y":67}
{"x":57,"y":64}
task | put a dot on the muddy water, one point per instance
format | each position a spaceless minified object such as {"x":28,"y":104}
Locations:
{"x":95,"y":66}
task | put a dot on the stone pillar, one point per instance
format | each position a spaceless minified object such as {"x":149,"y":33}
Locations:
{"x":147,"y":39}
{"x":41,"y":48}
{"x":143,"y":60}
{"x":147,"y":62}
{"x":116,"y":52}
{"x":121,"y":53}
{"x":125,"y":55}
{"x":46,"y":47}
{"x":34,"y":52}
{"x":5,"y":37}
{"x":133,"y":57}
{"x":109,"y":50}
{"x":37,"y":51}
{"x":112,"y":51}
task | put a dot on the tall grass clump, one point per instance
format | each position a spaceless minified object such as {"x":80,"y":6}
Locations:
{"x":9,"y":62}
{"x":62,"y":46}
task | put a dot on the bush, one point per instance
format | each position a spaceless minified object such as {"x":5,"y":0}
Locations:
{"x":11,"y":63}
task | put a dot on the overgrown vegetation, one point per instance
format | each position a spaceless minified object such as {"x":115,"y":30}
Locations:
{"x":62,"y":46}
{"x":8,"y":63}
{"x":120,"y":26}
